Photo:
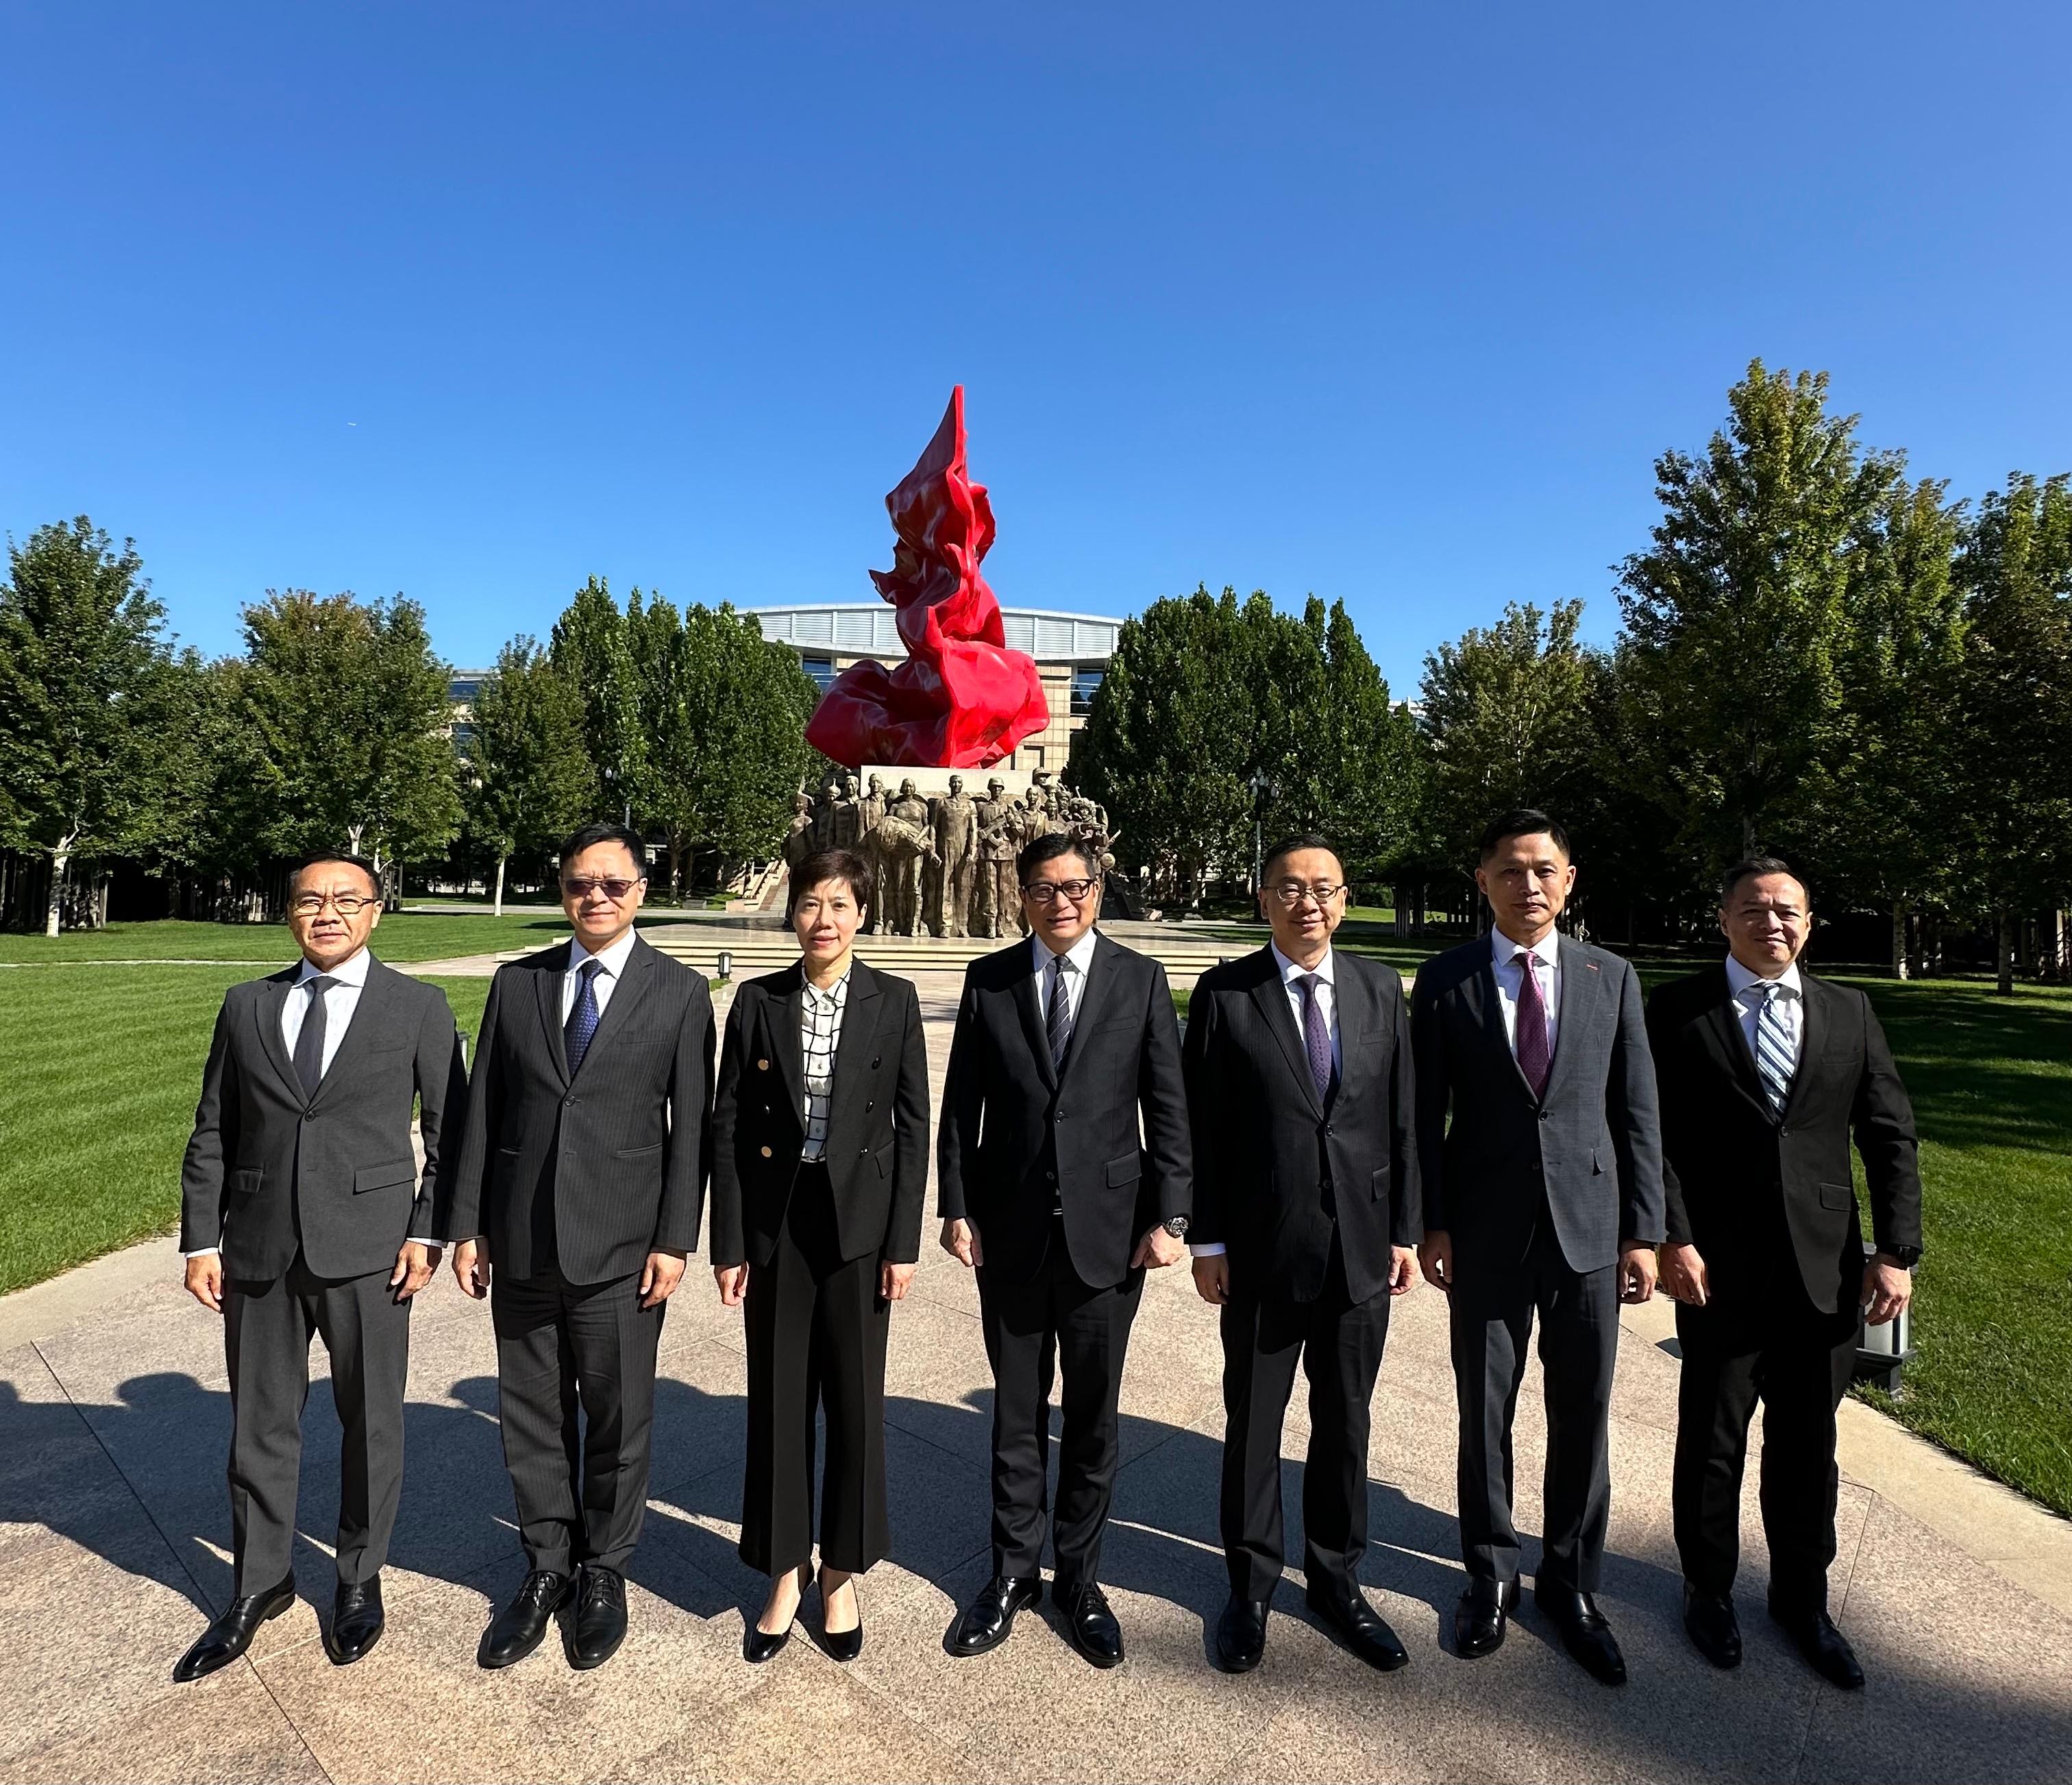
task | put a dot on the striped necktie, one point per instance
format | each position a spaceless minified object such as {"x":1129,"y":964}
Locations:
{"x":582,"y":1022}
{"x":1774,"y":1061}
{"x":1057,"y":1020}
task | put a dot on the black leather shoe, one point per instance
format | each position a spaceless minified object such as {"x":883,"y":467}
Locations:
{"x":600,"y":1617}
{"x":1361,"y":1628}
{"x":1584,"y":1634}
{"x":1709,"y":1621}
{"x":991,"y":1616}
{"x":1090,"y":1627}
{"x":517,"y":1630}
{"x":1241,"y":1635}
{"x":231,"y":1633}
{"x":1826,"y":1649}
{"x":356,"y":1623}
{"x":1479,"y":1619}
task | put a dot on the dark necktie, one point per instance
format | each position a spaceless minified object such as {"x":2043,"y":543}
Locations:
{"x":1317,"y":1037}
{"x":1057,"y":1020}
{"x":308,"y":1043}
{"x":1532,"y":1060}
{"x":581,"y":1025}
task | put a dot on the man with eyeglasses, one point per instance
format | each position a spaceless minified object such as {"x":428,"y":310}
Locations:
{"x":1052,"y":1194}
{"x":576,"y":1198}
{"x":1307,"y":1219}
{"x":303,"y":1210}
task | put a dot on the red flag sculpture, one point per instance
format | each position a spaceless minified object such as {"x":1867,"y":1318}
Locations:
{"x":961,"y":699}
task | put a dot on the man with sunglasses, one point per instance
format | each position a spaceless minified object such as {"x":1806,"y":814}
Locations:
{"x":576,"y":1199}
{"x":303,"y":1210}
{"x":1049,"y":1191}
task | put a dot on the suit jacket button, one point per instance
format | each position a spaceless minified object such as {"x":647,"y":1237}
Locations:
{"x":570,"y":1100}
{"x":762,"y":1066}
{"x":867,"y":1104}
{"x":1546,"y":1115}
{"x":766,"y":1152}
{"x":1050,"y":1177}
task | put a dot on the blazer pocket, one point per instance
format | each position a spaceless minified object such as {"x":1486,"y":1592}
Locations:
{"x":1125,"y":1170}
{"x":884,"y":1158}
{"x":638,"y":1152}
{"x":1597,"y":1163}
{"x":1378,"y":1184}
{"x":399,"y":1171}
{"x":244,"y":1182}
{"x":1837,"y":1196}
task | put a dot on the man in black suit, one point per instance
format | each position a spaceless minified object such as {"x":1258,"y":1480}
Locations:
{"x":1049,"y":1190}
{"x":1543,"y":1197}
{"x":580,"y":1188}
{"x":1306,"y":1221}
{"x":303,"y":1210}
{"x":1767,"y":1073}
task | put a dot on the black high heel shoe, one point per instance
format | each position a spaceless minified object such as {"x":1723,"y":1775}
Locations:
{"x":760,"y":1645}
{"x":841,"y":1645}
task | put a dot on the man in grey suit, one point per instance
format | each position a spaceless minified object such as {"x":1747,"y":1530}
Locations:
{"x":580,"y":1187}
{"x":303,"y":1210}
{"x":1544,"y":1196}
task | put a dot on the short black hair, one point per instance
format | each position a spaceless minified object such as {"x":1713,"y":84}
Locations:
{"x":603,"y":830}
{"x":1288,"y":845}
{"x":1522,"y":821}
{"x":1755,"y":866}
{"x":822,"y":865}
{"x":317,"y":858}
{"x":1048,"y":848}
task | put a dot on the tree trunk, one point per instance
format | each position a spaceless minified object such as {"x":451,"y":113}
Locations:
{"x":353,"y":834}
{"x":1899,"y":938}
{"x":501,"y":860}
{"x":54,"y":906}
{"x":2003,"y":953}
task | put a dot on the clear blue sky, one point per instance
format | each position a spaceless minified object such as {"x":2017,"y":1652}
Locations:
{"x":1390,"y":303}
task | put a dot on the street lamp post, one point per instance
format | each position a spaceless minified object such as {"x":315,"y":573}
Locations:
{"x":1262,"y":790}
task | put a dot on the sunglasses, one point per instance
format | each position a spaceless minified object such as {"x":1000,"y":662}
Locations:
{"x":613,"y":888}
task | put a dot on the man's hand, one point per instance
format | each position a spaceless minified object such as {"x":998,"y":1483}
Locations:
{"x":415,"y":1265}
{"x":205,"y":1280}
{"x":1436,"y":1256}
{"x":1402,"y":1269}
{"x":1684,"y":1276}
{"x":471,"y":1268}
{"x":733,"y":1281}
{"x":1212,"y":1278}
{"x":660,"y":1276}
{"x":1636,"y":1271}
{"x":1887,"y":1289}
{"x":892,"y":1282}
{"x":1157,"y":1249}
{"x":960,"y":1241}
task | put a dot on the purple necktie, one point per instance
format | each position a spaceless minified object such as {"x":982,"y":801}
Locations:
{"x":1317,"y":1037}
{"x":1531,"y":1022}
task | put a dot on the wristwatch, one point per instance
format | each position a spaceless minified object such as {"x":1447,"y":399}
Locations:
{"x":1178,"y":1227}
{"x":1906,"y":1257}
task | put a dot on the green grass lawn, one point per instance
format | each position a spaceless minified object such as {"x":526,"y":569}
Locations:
{"x":402,"y":936}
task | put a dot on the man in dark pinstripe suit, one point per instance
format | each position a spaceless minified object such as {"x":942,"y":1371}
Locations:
{"x":580,"y":1185}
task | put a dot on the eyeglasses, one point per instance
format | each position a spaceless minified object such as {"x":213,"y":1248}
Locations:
{"x":1044,"y":892}
{"x":345,"y":904}
{"x":1291,"y":893}
{"x":614,"y":888}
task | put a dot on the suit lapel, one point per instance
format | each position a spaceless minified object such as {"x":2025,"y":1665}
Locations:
{"x":1482,"y":985}
{"x":546,"y":993}
{"x":1582,"y":998}
{"x":1723,"y":1015}
{"x":1359,"y":1015}
{"x":273,"y":1000}
{"x":859,"y":1024}
{"x":785,"y":1045}
{"x":632,"y":986}
{"x":1101,"y":977}
{"x":1270,"y":994}
{"x":1032,"y":1015}
{"x":1812,"y":1033}
{"x":373,"y":1005}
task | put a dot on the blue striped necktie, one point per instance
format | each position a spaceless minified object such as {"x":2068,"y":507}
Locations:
{"x":582,"y":1016}
{"x":1773,"y":1061}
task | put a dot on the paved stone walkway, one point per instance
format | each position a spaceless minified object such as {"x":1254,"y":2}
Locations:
{"x":114,"y":1419}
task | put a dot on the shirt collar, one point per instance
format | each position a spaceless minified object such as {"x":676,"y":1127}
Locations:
{"x":610,"y":961}
{"x":836,"y":994}
{"x":1740,"y":978}
{"x":1548,"y":948}
{"x":1291,"y":971}
{"x":1079,"y":954}
{"x":352,"y":971}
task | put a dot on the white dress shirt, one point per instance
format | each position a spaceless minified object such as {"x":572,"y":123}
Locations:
{"x":1081,"y":954}
{"x":1511,"y":982}
{"x":819,"y":1034}
{"x":1292,"y":974}
{"x":611,"y":964}
{"x":1745,"y":987}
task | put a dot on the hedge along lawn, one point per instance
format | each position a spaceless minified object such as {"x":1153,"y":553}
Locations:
{"x":98,"y":1071}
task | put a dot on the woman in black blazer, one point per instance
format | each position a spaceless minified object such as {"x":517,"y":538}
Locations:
{"x":820,"y":1133}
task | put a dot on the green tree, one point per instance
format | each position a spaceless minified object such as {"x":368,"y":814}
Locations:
{"x":529,"y":779}
{"x":349,"y":710}
{"x":2015,"y":703}
{"x":591,"y":647}
{"x":1736,"y":616}
{"x":85,"y":674}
